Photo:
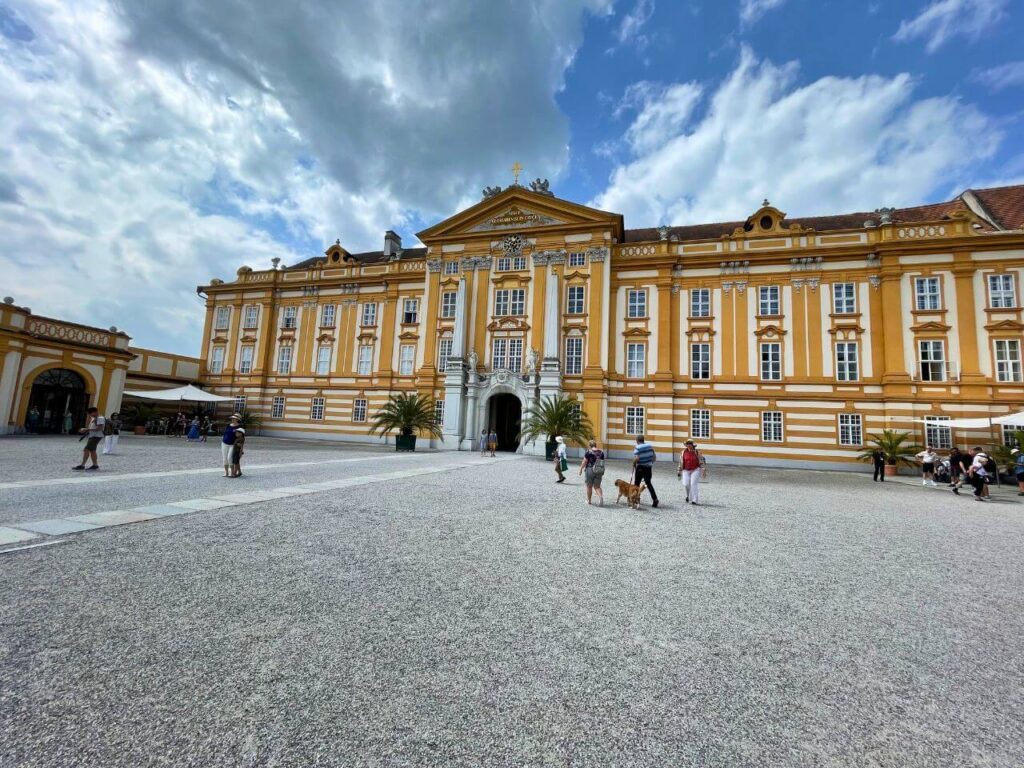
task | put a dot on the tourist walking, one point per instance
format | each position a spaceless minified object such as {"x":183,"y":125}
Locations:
{"x":561,"y":462}
{"x":483,"y":442}
{"x":205,"y":428}
{"x":67,"y":423}
{"x":878,"y":462}
{"x":592,"y":469}
{"x":956,"y":467}
{"x":1018,"y":469}
{"x":228,"y":442}
{"x":690,"y":465}
{"x":643,"y":466}
{"x":977,"y":475}
{"x":111,"y":432}
{"x":928,"y":457}
{"x":32,"y":420}
{"x":237,"y":450}
{"x":193,"y":430}
{"x":93,"y":432}
{"x":492,"y":441}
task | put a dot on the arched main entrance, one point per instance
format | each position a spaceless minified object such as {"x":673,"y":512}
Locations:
{"x":505,"y":416}
{"x":57,"y":391}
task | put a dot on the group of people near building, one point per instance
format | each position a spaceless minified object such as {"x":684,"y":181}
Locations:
{"x":488,"y":442}
{"x":973,"y":467}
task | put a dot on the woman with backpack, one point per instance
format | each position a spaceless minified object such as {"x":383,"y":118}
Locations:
{"x":690,"y":465}
{"x":592,"y":469}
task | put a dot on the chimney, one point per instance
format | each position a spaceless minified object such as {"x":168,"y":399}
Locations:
{"x":392,"y":243}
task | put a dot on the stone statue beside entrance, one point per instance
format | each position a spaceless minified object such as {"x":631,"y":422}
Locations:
{"x":531,"y":361}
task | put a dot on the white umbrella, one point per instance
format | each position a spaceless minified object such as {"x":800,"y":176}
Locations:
{"x":1012,"y":420}
{"x":188,"y":394}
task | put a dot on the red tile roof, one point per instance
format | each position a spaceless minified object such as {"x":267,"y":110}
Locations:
{"x":1004,"y":205}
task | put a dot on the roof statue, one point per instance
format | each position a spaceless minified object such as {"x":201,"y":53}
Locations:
{"x":540,"y":186}
{"x":491,"y":191}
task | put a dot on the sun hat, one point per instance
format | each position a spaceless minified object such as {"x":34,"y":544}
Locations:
{"x":237,"y":416}
{"x":1015,"y":450}
{"x":558,"y":439}
{"x":690,"y":442}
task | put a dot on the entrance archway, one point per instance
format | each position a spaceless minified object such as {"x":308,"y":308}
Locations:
{"x":57,"y":391}
{"x":505,"y":416}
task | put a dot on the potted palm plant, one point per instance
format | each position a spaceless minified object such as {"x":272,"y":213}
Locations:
{"x":139,"y":415}
{"x":406,"y":414}
{"x":898,"y":450}
{"x":558,"y":415}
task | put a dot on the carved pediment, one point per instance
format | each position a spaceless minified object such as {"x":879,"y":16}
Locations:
{"x":1005,"y":326}
{"x":930,"y":327}
{"x":508,"y":324}
{"x":700,"y":330}
{"x":248,"y":338}
{"x":511,"y":277}
{"x":408,"y":336}
{"x":576,"y":275}
{"x":450,"y":282}
{"x":636,"y":332}
{"x":770,"y":332}
{"x":515,"y":217}
{"x":847,"y":328}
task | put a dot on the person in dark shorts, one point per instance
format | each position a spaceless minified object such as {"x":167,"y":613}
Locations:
{"x":237,"y":451}
{"x":956,"y":467}
{"x":928,"y":459}
{"x":93,"y":431}
{"x":592,"y":468}
{"x":878,"y":462}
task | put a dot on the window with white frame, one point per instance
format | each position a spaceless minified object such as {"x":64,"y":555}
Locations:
{"x":370,"y":314}
{"x":575,"y":413}
{"x":1008,"y":360}
{"x":316,"y":409}
{"x":700,"y":360}
{"x":510,"y":264}
{"x":937,"y":432}
{"x":578,"y":259}
{"x":289,"y":316}
{"x":364,"y":365}
{"x":771,"y":361}
{"x":222,"y":319}
{"x":327,"y":315}
{"x":245,"y":359}
{"x":573,"y":355}
{"x":926,"y":293}
{"x":323,"y":360}
{"x":768,"y":300}
{"x":284,"y":360}
{"x":410,"y":311}
{"x":277,"y":408}
{"x":634,"y":419}
{"x":444,"y":351}
{"x":507,"y":354}
{"x":931,"y":359}
{"x":406,"y":359}
{"x":1002,"y":293}
{"x":439,"y":412}
{"x":448,"y":299}
{"x":636,"y":303}
{"x":700,"y":424}
{"x":574,"y":300}
{"x":700,"y":302}
{"x":217,"y":360}
{"x":847,"y":361}
{"x":252,"y":316}
{"x":240,"y":404}
{"x":771,"y":427}
{"x":359,"y":409}
{"x":1010,"y":435}
{"x":636,"y":361}
{"x":451,"y":267}
{"x":850,"y":429}
{"x":509,"y":301}
{"x":844,"y":298}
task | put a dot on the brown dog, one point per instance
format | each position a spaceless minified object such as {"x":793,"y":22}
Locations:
{"x":631,"y":492}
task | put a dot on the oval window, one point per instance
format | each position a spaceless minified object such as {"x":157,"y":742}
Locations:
{"x":766,"y":222}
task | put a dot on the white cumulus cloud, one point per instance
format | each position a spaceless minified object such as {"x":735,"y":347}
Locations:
{"x":1009,"y":75}
{"x":752,"y":10}
{"x":942,"y":20}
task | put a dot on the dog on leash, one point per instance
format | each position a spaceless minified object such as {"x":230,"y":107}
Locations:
{"x":630,"y":492}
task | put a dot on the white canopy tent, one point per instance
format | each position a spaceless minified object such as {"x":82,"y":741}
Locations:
{"x":960,"y":423}
{"x":186,"y":394}
{"x":1012,"y":420}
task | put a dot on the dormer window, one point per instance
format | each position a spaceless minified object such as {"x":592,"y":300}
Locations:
{"x":767,"y":222}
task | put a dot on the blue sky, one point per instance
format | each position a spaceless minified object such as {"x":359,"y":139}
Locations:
{"x":146,"y":147}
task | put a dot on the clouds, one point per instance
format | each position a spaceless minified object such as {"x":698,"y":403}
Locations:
{"x":1009,"y":75}
{"x":942,"y":20}
{"x":833,"y":145}
{"x":752,"y":10}
{"x":633,"y":22}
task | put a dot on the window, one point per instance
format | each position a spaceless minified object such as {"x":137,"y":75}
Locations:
{"x":507,"y":354}
{"x":277,"y":408}
{"x":769,"y":300}
{"x":636,"y":303}
{"x":700,"y":361}
{"x":926,"y":291}
{"x":448,"y":304}
{"x":574,"y":355}
{"x":510,"y":301}
{"x":850,"y":431}
{"x":406,"y":359}
{"x":444,"y":351}
{"x":327,"y":316}
{"x":290,"y":313}
{"x":451,"y":267}
{"x":284,"y":360}
{"x":369,"y":314}
{"x":245,"y":360}
{"x":316,"y":409}
{"x":847,"y":363}
{"x":1001,"y":292}
{"x":323,"y":360}
{"x":439,"y":412}
{"x":252,"y":314}
{"x":771,"y":426}
{"x":1008,"y":360}
{"x":937,"y":433}
{"x":844,"y":299}
{"x":359,"y":409}
{"x":509,"y":263}
{"x":700,"y":424}
{"x":578,"y":259}
{"x":634,"y":420}
{"x":240,"y":404}
{"x":575,"y":413}
{"x":574,"y":300}
{"x":365,"y":365}
{"x":700,"y":302}
{"x":932,"y":360}
{"x":1010,"y":435}
{"x":217,"y":360}
{"x":223,"y":319}
{"x":410,"y":311}
{"x":636,"y":362}
{"x":771,"y":361}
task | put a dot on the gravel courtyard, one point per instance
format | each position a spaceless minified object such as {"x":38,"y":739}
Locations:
{"x":484,"y":616}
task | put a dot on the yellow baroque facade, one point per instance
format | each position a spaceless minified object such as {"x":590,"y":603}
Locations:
{"x":769,"y":341}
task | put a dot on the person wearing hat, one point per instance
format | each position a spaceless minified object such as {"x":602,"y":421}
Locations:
{"x":227,"y":444}
{"x":690,"y":462}
{"x":978,"y":474}
{"x":561,"y":462}
{"x":1018,"y":469}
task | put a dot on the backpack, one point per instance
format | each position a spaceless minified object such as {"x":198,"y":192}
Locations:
{"x":598,"y":468}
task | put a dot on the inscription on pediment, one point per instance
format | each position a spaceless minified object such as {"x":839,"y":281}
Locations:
{"x":515,"y":217}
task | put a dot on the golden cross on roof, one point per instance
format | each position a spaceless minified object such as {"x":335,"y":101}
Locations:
{"x":516,"y":168}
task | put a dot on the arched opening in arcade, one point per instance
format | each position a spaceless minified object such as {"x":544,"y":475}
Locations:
{"x":505,"y":417}
{"x":60,"y":400}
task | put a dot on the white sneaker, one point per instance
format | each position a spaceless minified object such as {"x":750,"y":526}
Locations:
{"x":924,"y":482}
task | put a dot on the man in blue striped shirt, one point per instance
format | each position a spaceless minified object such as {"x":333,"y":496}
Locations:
{"x":643,"y":465}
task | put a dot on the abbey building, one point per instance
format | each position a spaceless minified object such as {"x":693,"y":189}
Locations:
{"x":773,"y":341}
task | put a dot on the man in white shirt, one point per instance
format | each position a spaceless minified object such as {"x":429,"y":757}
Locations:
{"x":93,"y":430}
{"x":978,"y":473}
